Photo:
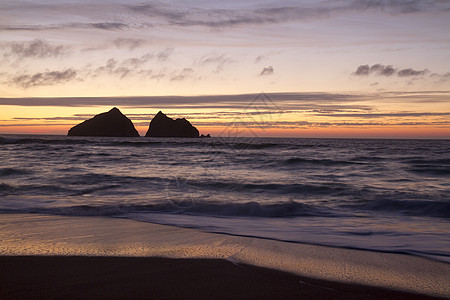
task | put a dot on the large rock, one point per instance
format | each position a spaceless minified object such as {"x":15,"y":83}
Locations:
{"x":111,"y":123}
{"x":163,"y":126}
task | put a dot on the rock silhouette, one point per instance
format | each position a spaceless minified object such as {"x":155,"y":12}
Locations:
{"x":163,"y":126}
{"x":111,"y":123}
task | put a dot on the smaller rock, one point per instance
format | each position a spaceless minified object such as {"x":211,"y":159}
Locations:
{"x":163,"y":126}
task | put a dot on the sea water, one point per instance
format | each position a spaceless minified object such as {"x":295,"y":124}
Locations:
{"x":383,"y":195}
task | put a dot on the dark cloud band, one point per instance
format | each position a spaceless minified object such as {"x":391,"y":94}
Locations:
{"x":323,"y":101}
{"x":159,"y":13}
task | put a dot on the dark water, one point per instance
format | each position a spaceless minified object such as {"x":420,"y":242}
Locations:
{"x":387,"y":195}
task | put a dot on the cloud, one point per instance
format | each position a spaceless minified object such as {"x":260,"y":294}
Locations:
{"x":266,"y":71}
{"x":74,"y":118}
{"x":119,"y":43}
{"x":411,"y":72}
{"x":382,"y":70}
{"x":32,"y":125}
{"x":266,"y":124}
{"x":225,"y":17}
{"x":112,"y":68}
{"x":196,"y":14}
{"x":164,"y":54}
{"x":260,"y":58}
{"x":230,"y":101}
{"x":182,"y":75}
{"x":75,"y":25}
{"x":128,"y":67}
{"x":127,"y":43}
{"x":362,"y":70}
{"x":217,"y":60}
{"x":383,"y":115}
{"x":43,"y":78}
{"x":299,"y":124}
{"x":134,"y":66}
{"x":123,"y":14}
{"x":34,"y":49}
{"x":377,"y":69}
{"x":136,"y":62}
{"x":397,"y":6}
{"x":321,"y":102}
{"x":238,"y":101}
{"x":440,"y":78}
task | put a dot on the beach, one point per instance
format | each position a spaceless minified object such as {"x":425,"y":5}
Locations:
{"x":96,"y":257}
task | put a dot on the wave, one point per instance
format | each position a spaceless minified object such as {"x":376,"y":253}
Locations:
{"x":100,"y":154}
{"x":437,"y":161}
{"x":255,"y":209}
{"x":227,"y":143}
{"x":429,"y":166}
{"x":258,"y":188}
{"x":247,"y":209}
{"x":322,"y":162}
{"x":423,"y":208}
{"x":431,"y":170}
{"x":97,"y":181}
{"x":24,"y":141}
{"x":256,"y":146}
{"x":434,"y":209}
{"x":5,"y":187}
{"x":12,"y":172}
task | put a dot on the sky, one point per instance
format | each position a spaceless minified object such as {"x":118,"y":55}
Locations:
{"x":307,"y":68}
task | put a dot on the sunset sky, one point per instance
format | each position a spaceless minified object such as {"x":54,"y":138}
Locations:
{"x":355,"y":68}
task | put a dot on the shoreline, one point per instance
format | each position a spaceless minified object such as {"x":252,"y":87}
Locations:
{"x":42,"y":236}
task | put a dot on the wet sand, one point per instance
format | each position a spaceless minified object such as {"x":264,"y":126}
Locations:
{"x":56,"y":277}
{"x":93,"y":257}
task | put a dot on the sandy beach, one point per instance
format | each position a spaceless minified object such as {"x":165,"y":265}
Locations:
{"x":92,"y":257}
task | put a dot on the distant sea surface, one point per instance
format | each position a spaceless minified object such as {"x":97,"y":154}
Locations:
{"x":384,"y":195}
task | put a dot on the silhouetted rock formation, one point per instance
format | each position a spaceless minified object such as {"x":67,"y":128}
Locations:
{"x":205,"y":136}
{"x":163,"y":126}
{"x":111,"y":123}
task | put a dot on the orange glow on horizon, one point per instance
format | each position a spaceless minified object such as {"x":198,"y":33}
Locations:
{"x":313,"y":132}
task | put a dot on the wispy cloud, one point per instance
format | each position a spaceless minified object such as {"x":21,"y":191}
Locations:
{"x":411,"y":72}
{"x":218,"y":61}
{"x":398,"y":6}
{"x":260,"y":58}
{"x":63,"y":26}
{"x":119,"y":43}
{"x":384,"y":115}
{"x":33,"y":49}
{"x":125,"y":68}
{"x":270,"y":125}
{"x":307,"y":124}
{"x":127,"y":43}
{"x":43,"y":78}
{"x":164,"y":54}
{"x":182,"y":75}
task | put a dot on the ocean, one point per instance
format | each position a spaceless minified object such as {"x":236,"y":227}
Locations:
{"x":372,"y":194}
